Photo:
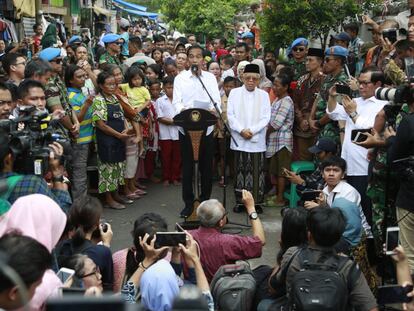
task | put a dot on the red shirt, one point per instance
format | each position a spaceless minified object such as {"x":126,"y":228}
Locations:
{"x":217,"y":249}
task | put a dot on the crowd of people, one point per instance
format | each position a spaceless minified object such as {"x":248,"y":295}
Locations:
{"x":73,"y":105}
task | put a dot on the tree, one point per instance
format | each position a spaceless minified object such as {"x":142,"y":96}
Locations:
{"x":283,"y":21}
{"x":208,"y":17}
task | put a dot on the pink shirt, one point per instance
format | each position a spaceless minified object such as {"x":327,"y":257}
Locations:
{"x":217,"y":249}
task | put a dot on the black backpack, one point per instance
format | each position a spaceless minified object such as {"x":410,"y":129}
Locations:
{"x":233,"y":288}
{"x":318,"y":285}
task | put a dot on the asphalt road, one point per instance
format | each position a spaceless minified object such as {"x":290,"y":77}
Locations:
{"x":167,"y":202}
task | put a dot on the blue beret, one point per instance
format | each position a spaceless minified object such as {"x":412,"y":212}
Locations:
{"x":74,"y":39}
{"x":343,"y":36}
{"x":336,"y":50}
{"x":247,"y":35}
{"x":49,"y":54}
{"x":299,"y":41}
{"x":110,"y":38}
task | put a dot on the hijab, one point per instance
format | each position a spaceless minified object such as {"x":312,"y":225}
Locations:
{"x":49,"y":38}
{"x":40,"y":218}
{"x":240,"y":68}
{"x":264,"y":81}
{"x":159,"y":286}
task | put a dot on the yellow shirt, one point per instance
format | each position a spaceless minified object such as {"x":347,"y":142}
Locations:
{"x":137,"y":96}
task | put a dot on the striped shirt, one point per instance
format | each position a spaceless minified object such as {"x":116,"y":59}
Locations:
{"x":281,"y":119}
{"x":76,"y":99}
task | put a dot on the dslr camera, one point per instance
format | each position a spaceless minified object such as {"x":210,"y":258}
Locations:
{"x":29,"y":139}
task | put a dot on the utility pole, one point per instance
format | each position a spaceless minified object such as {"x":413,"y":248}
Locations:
{"x":38,"y":8}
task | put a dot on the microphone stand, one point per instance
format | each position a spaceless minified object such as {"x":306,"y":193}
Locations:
{"x":194,"y":70}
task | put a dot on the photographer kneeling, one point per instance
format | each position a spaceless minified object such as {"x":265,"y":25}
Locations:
{"x":21,"y":185}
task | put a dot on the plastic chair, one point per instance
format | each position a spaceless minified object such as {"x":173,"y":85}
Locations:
{"x":297,"y":167}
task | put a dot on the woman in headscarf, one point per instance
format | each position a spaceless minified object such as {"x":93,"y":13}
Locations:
{"x":265,"y":84}
{"x":49,"y":38}
{"x":40,"y":218}
{"x":240,"y":69}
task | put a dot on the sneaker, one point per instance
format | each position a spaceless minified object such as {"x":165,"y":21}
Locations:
{"x":186,"y":212}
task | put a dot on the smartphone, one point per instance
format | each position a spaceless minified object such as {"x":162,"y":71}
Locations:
{"x":358,"y":136}
{"x":170,"y":239}
{"x":64,"y":274}
{"x":391,"y":34}
{"x":393,"y":294}
{"x":309,"y":195}
{"x":392,"y":240}
{"x":343,"y":89}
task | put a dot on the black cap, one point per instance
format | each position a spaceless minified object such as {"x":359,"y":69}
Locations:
{"x":323,"y":144}
{"x":252,"y":68}
{"x":316,"y":52}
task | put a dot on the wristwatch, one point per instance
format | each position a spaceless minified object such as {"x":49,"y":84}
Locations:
{"x":353,"y":114}
{"x":253,"y":216}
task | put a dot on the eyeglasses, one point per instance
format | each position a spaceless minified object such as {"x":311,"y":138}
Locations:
{"x":22,"y":63}
{"x":299,"y":49}
{"x":364,"y":83}
{"x":57,"y":61}
{"x":95,"y":272}
{"x":250,"y":78}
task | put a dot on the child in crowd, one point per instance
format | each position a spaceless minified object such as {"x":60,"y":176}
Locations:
{"x":139,"y":99}
{"x":151,"y":133}
{"x":224,"y":142}
{"x":226,"y":65}
{"x":168,"y":135}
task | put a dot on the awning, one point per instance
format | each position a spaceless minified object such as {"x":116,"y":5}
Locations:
{"x":140,"y":13}
{"x":102,"y":11}
{"x":132,"y":6}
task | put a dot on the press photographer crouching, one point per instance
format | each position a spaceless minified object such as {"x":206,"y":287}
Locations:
{"x":30,"y":148}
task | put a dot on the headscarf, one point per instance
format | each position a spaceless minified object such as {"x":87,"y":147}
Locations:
{"x":49,"y":38}
{"x":264,"y":81}
{"x":159,"y":286}
{"x":40,"y":218}
{"x":240,"y":67}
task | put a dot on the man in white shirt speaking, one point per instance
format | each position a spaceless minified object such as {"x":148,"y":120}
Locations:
{"x":187,"y":90}
{"x":248,"y":112}
{"x":359,"y":113}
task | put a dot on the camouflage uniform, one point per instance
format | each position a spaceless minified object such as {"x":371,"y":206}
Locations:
{"x":107,"y":58}
{"x":331,"y":129}
{"x":56,"y":94}
{"x":299,"y":69}
{"x":377,"y":188}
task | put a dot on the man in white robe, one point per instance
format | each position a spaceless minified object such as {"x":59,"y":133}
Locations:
{"x":248,"y":111}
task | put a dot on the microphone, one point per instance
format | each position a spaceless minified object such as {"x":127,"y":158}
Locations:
{"x":194,"y":70}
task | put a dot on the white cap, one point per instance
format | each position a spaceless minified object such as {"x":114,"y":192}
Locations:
{"x":124,"y":23}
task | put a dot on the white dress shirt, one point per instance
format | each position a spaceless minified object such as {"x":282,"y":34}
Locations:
{"x":187,"y":89}
{"x":346,"y":191}
{"x":354,"y":155}
{"x":242,"y":113}
{"x":165,"y":109}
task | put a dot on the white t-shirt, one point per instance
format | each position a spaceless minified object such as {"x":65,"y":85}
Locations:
{"x":165,"y":109}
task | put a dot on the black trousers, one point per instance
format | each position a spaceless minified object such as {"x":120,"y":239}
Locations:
{"x":205,"y":168}
{"x":360,"y":183}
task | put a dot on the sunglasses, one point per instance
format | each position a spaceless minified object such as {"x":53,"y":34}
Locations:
{"x":299,"y":49}
{"x":57,"y":61}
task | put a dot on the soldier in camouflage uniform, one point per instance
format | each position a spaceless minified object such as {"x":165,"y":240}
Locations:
{"x":335,"y":58}
{"x":299,"y":50}
{"x":113,"y":49}
{"x":56,"y":93}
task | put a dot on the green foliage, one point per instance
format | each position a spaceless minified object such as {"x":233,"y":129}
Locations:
{"x":283,"y":21}
{"x":212,"y":18}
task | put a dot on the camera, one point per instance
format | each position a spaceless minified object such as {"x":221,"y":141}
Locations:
{"x":29,"y":139}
